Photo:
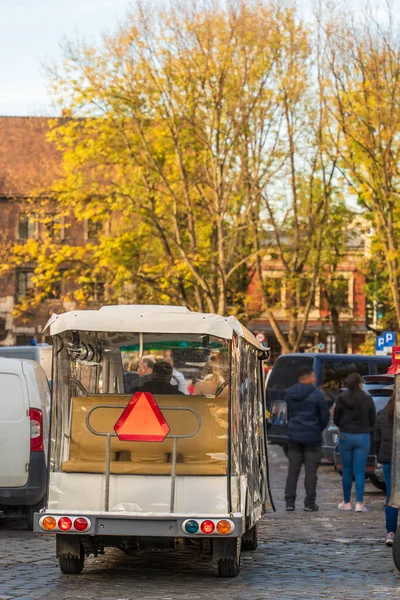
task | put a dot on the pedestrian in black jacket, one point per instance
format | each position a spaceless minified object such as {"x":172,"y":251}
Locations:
{"x":383,"y":438}
{"x":355,"y":417}
{"x":308,"y":415}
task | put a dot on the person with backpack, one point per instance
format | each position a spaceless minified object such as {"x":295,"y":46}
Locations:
{"x":383,"y":438}
{"x":355,"y":418}
{"x":308,"y":416}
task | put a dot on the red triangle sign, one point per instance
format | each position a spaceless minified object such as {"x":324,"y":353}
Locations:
{"x":142,"y":420}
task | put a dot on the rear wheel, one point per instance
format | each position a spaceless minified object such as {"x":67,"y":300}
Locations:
{"x":229,"y":567}
{"x":396,"y":549}
{"x":72,"y":565}
{"x":250,"y":539}
{"x":226,"y":553}
{"x":380,"y":485}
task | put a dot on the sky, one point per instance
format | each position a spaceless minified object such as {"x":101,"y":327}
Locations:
{"x":30,"y":35}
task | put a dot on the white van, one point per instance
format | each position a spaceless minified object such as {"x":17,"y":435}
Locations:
{"x":24,"y":427}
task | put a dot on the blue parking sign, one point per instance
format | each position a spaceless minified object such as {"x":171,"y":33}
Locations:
{"x":379,"y":342}
{"x":389,"y":339}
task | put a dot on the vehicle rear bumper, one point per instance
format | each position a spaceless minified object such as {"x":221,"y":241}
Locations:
{"x":34,"y":489}
{"x":112,"y":524}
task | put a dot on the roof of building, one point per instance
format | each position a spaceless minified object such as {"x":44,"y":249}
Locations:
{"x":29,"y":163}
{"x":150,"y":319}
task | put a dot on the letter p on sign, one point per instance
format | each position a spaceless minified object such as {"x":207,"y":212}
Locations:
{"x":389,"y":338}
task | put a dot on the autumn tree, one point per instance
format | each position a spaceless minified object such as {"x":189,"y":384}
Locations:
{"x":343,"y":236}
{"x":297,"y":205}
{"x":171,"y":116}
{"x":363,"y":70}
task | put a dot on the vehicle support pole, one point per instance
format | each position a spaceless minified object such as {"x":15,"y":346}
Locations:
{"x":173,"y":477}
{"x":107,"y":486}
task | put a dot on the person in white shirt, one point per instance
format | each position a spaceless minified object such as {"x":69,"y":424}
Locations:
{"x":177,"y":378}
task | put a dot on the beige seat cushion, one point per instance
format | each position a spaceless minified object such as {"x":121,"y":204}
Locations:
{"x":142,"y":468}
{"x":204,"y":453}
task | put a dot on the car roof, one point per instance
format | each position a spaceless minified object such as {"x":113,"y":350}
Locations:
{"x":367,"y":357}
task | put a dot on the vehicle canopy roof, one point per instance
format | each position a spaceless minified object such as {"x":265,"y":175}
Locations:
{"x":151,"y":319}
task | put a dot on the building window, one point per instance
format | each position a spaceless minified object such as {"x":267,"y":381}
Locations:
{"x":25,"y":286}
{"x":304,"y":292}
{"x":273,"y":290}
{"x":23,"y":339}
{"x":27,"y":226}
{"x":95,"y":291}
{"x":55,"y":227}
{"x":94,"y":229}
{"x":338,"y":293}
{"x":55,"y":292}
{"x":301,"y":291}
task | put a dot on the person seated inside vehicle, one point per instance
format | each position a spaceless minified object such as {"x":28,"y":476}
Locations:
{"x":160,"y":382}
{"x":212,"y":381}
{"x":143,"y":375}
{"x":130,"y":377}
{"x":178,"y":378}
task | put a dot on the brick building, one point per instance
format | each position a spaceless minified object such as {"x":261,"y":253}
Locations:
{"x":29,"y":164}
{"x":319,"y":329}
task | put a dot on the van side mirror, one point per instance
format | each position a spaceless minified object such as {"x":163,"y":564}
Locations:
{"x":278,"y":413}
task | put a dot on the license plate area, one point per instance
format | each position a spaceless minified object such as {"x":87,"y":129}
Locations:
{"x":136,"y":527}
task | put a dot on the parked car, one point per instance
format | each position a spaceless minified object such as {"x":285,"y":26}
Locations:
{"x":370,"y":385}
{"x":329,"y":442}
{"x":331,"y":371}
{"x":377,"y":382}
{"x":375,"y":475}
{"x":24,"y":417}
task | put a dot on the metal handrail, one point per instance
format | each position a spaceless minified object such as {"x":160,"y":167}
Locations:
{"x":109,"y":435}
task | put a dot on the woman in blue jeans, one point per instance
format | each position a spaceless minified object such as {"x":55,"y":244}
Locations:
{"x":383,"y":447}
{"x":355,"y":418}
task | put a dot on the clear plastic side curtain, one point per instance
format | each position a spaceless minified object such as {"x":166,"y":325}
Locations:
{"x":246,"y":454}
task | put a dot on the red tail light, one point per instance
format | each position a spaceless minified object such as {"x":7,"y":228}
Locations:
{"x":207,"y":527}
{"x":81,"y":524}
{"x":64,"y":523}
{"x":36,"y":418}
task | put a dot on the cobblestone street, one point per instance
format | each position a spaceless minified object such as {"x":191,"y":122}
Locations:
{"x":301,"y":555}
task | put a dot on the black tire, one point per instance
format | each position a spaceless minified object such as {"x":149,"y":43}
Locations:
{"x":380,"y":485}
{"x":71,"y":565}
{"x":250,"y":539}
{"x":228,"y":567}
{"x":396,"y":549}
{"x":31,"y":510}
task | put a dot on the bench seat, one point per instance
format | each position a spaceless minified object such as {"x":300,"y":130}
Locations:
{"x":142,"y":468}
{"x":205,"y":453}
